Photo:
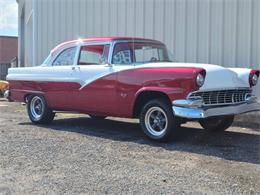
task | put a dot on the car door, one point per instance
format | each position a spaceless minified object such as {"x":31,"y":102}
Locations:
{"x":60,"y":79}
{"x":97,"y":93}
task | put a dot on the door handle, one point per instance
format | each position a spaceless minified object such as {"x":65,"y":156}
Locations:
{"x":74,"y":68}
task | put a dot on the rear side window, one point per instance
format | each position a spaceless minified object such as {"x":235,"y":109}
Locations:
{"x":139,"y":53}
{"x":122,"y":54}
{"x":93,"y":54}
{"x":66,"y":57}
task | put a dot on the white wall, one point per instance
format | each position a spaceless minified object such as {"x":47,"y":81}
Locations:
{"x":224,"y":32}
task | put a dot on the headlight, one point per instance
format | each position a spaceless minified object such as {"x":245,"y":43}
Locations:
{"x":200,"y":80}
{"x":254,"y":79}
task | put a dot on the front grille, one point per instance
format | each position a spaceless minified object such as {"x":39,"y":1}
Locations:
{"x":222,"y":97}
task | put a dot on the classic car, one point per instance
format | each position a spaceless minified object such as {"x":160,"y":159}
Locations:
{"x":134,"y":78}
{"x":4,"y":85}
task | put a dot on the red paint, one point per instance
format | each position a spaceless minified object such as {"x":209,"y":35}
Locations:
{"x":176,"y":83}
{"x":105,"y":96}
{"x":252,"y":73}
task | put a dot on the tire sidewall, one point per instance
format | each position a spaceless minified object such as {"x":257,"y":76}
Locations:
{"x":169,"y":114}
{"x":226,"y":122}
{"x":45,"y":108}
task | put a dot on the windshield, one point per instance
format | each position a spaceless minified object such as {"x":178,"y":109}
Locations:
{"x":139,"y":53}
{"x":47,"y":60}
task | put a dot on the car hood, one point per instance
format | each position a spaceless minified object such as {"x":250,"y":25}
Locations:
{"x":217,"y":77}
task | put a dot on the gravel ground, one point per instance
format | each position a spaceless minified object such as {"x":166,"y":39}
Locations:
{"x":77,"y":155}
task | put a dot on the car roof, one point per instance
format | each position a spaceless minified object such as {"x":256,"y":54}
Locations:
{"x":104,"y":39}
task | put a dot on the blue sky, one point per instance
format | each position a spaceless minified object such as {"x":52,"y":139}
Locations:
{"x":8,"y":17}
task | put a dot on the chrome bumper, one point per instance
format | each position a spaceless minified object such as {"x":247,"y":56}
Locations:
{"x":7,"y":94}
{"x":194,"y":109}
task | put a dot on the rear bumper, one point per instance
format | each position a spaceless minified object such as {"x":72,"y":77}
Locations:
{"x":7,"y":95}
{"x":193,"y":109}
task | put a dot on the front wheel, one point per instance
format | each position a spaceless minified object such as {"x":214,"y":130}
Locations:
{"x":38,"y":111}
{"x":157,"y":120}
{"x":215,"y":124}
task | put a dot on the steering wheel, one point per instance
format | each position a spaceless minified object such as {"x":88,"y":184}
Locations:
{"x":153,"y":59}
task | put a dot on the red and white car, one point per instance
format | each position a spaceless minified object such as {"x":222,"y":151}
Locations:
{"x":135,"y":78}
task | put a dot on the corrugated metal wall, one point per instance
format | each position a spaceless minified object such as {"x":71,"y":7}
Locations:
{"x":224,"y":32}
{"x":4,"y":70}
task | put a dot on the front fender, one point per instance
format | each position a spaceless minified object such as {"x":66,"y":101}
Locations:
{"x":242,"y":73}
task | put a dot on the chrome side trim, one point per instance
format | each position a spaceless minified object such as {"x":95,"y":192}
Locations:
{"x":111,"y":51}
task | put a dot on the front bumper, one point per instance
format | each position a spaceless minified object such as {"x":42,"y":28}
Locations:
{"x":194,"y":109}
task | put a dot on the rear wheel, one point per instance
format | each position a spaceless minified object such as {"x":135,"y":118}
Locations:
{"x":38,"y":111}
{"x":95,"y":117}
{"x":215,"y":124}
{"x":157,"y":120}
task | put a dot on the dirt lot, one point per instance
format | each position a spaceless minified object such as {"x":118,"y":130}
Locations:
{"x":77,"y":155}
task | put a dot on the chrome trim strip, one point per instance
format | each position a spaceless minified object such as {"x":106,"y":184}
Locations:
{"x":76,"y":57}
{"x":45,"y":79}
{"x":111,"y":49}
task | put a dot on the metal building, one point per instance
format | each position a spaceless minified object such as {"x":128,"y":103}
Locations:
{"x":8,"y":54}
{"x":224,"y":32}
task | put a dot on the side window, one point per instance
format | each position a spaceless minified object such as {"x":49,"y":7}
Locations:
{"x":122,"y":57}
{"x":66,"y":57}
{"x":122,"y":54}
{"x":93,"y":54}
{"x":147,"y":54}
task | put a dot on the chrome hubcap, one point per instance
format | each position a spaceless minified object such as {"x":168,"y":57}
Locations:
{"x":36,"y":107}
{"x":156,"y":121}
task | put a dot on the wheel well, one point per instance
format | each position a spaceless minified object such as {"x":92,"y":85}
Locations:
{"x":146,"y":96}
{"x":26,"y":97}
